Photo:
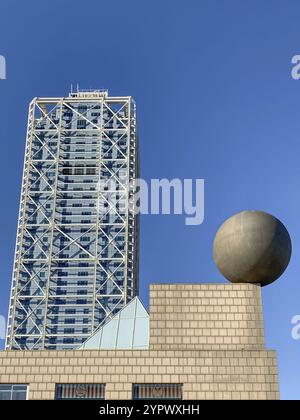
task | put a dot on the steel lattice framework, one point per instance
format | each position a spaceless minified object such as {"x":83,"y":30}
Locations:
{"x":76,"y":260}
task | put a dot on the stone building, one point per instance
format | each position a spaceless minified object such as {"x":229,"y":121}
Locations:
{"x":206,"y":341}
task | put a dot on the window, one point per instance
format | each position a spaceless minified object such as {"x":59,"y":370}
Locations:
{"x":91,"y":171}
{"x":82,"y":283}
{"x":13,"y":392}
{"x":128,"y":329}
{"x":69,"y":331}
{"x":82,"y":292}
{"x":83,"y":264}
{"x":69,"y":320}
{"x":79,"y":171}
{"x":80,"y":391}
{"x":81,"y":302}
{"x":70,"y":311}
{"x":157,"y":391}
{"x":67,"y":171}
{"x":68,"y":341}
{"x":81,"y":123}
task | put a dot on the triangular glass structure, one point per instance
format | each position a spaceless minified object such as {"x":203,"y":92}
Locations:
{"x":127,"y":330}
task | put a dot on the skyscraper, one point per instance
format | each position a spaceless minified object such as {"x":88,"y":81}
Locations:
{"x":76,"y":260}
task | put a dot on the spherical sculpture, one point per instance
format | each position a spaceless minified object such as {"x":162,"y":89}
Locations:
{"x":252,"y":247}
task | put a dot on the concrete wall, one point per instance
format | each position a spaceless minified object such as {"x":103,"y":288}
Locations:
{"x":208,"y":337}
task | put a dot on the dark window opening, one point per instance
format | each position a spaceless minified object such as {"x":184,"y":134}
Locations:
{"x":157,"y":391}
{"x":80,"y":391}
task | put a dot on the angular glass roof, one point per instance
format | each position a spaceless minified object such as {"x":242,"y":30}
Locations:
{"x":127,"y":330}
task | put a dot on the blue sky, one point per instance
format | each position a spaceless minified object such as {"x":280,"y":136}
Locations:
{"x":215,"y":100}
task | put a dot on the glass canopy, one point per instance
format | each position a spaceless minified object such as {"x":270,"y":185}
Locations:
{"x":129,"y":329}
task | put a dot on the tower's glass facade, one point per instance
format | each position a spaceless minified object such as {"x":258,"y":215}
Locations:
{"x":76,"y":261}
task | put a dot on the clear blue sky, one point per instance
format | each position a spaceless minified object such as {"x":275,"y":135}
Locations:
{"x":215,"y":100}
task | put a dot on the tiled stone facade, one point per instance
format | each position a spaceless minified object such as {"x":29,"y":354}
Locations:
{"x":207,"y":337}
{"x":206,"y":317}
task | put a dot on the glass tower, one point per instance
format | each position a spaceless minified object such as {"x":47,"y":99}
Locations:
{"x":76,"y":259}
